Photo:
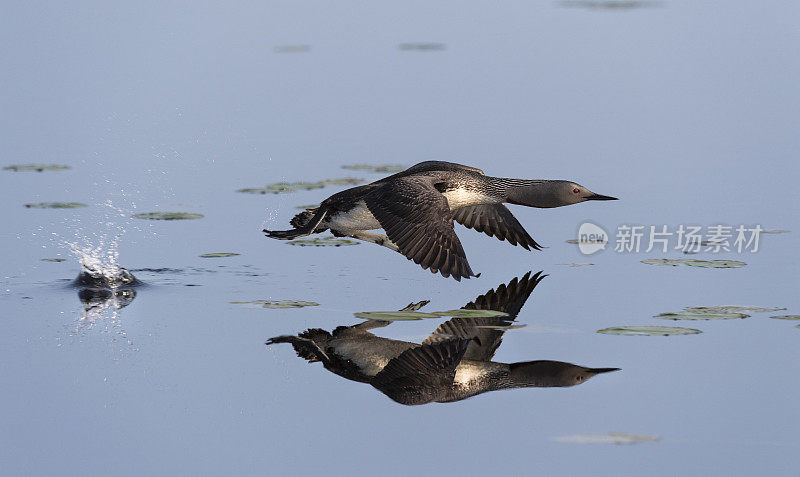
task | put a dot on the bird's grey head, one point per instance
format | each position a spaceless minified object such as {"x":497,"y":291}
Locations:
{"x":545,"y":194}
{"x":552,"y":373}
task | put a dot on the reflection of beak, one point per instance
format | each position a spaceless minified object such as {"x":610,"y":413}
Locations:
{"x":602,"y":370}
{"x":600,"y":197}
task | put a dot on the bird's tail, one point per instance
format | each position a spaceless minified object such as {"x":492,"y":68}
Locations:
{"x":304,"y":223}
{"x":308,"y":344}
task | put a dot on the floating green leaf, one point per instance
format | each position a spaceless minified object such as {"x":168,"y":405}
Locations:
{"x":700,"y":315}
{"x":307,"y":207}
{"x":715,"y":263}
{"x":694,"y":263}
{"x":54,"y":259}
{"x":501,"y":327}
{"x":394,"y":315}
{"x":610,"y":438}
{"x":376,"y":168}
{"x":731,"y":309}
{"x":664,"y":261}
{"x":421,"y":46}
{"x":321,"y":242}
{"x":219,"y":255}
{"x":289,"y":187}
{"x":276,"y":304}
{"x":786,"y":317}
{"x":55,"y":205}
{"x":461,"y":313}
{"x":585,"y":241}
{"x":343,"y":181}
{"x":35,"y":167}
{"x":168,"y":216}
{"x":776,"y":231}
{"x":648,"y":331}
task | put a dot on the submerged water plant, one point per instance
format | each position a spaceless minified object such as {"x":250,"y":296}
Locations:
{"x":55,"y":205}
{"x":322,"y":242}
{"x":167,"y":216}
{"x":35,"y":167}
{"x":648,"y":331}
{"x":276,"y":304}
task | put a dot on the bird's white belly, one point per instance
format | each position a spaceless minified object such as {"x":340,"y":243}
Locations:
{"x":462,"y":197}
{"x":356,"y":219}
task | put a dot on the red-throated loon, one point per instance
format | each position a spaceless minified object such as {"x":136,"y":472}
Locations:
{"x":416,"y":208}
{"x":452,"y":364}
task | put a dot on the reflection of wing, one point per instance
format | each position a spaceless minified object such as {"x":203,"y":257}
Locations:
{"x":420,"y":375}
{"x":495,"y":221}
{"x":507,"y":298}
{"x":417,"y":218}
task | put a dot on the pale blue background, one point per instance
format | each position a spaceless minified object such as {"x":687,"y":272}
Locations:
{"x":687,"y":111}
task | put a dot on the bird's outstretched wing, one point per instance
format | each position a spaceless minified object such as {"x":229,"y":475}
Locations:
{"x":487,"y":333}
{"x":417,"y":218}
{"x":421,"y":375}
{"x":495,"y":221}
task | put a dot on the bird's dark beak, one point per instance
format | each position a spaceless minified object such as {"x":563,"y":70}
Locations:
{"x":602,"y":370}
{"x":600,"y":197}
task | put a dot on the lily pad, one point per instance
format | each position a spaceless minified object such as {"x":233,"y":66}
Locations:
{"x":219,"y":255}
{"x":501,"y":327}
{"x":786,"y":317}
{"x":461,"y":313}
{"x":283,"y":188}
{"x":289,"y":187}
{"x":343,"y":181}
{"x":276,"y":304}
{"x":35,"y":167}
{"x":715,"y":263}
{"x":54,"y":259}
{"x":664,"y":261}
{"x":168,"y":216}
{"x":307,"y":207}
{"x":701,"y":315}
{"x":421,"y":46}
{"x":610,"y":438}
{"x":376,"y":168}
{"x":322,"y":242}
{"x":55,"y":205}
{"x":776,"y":231}
{"x":674,"y":262}
{"x":292,"y":48}
{"x":648,"y":331}
{"x":394,"y":315}
{"x":731,"y":309}
{"x":585,"y":241}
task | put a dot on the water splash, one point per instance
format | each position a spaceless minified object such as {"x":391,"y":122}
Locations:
{"x":105,"y":287}
{"x":98,"y":251}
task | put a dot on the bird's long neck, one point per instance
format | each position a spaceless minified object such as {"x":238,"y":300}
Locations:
{"x":539,"y":374}
{"x":533,"y":193}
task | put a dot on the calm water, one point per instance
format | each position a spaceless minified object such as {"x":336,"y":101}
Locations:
{"x":687,"y":111}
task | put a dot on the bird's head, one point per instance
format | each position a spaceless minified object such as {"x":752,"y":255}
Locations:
{"x":552,"y":373}
{"x":546,"y":194}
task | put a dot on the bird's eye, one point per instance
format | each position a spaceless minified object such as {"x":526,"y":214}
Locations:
{"x":576,"y":190}
{"x":579,"y":378}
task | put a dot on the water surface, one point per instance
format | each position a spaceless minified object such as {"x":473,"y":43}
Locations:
{"x":686,"y":111}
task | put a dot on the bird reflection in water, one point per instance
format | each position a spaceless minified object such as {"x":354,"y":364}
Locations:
{"x":453,"y":363}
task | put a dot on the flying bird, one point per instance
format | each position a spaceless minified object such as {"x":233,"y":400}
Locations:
{"x":416,"y":208}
